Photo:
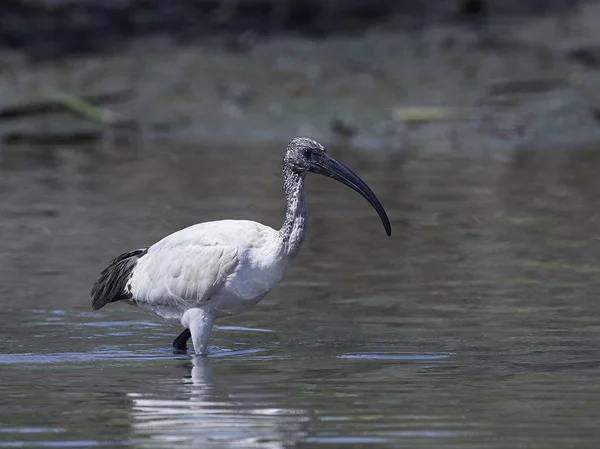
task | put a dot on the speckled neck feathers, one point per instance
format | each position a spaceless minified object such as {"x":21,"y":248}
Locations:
{"x":294,"y":227}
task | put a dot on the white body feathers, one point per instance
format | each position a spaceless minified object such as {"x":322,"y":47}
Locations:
{"x":224,"y":267}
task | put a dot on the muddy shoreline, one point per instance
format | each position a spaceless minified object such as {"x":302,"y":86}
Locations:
{"x":528,"y":82}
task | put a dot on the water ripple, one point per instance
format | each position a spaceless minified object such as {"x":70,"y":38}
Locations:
{"x":397,"y":355}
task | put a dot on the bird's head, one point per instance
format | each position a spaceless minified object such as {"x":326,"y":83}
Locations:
{"x":306,"y":155}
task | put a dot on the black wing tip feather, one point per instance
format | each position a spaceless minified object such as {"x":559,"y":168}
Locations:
{"x":112,"y":284}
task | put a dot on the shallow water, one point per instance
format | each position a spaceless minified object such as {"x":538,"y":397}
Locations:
{"x":476,"y":325}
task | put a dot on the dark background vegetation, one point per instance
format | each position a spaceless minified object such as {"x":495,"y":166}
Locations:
{"x":53,"y":28}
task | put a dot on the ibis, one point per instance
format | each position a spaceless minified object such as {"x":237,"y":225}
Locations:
{"x":221,"y":268}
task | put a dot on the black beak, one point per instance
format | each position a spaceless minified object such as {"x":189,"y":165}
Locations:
{"x":333,"y":169}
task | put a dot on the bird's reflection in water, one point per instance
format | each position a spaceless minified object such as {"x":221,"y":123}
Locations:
{"x":201,"y":410}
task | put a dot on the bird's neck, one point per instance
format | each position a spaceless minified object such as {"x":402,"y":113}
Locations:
{"x":294,"y":227}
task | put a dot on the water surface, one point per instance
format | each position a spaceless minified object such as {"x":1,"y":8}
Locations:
{"x":476,"y":325}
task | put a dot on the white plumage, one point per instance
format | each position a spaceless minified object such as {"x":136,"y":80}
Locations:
{"x":221,"y":268}
{"x":213,"y":260}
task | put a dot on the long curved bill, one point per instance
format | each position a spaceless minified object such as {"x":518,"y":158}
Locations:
{"x":333,"y":169}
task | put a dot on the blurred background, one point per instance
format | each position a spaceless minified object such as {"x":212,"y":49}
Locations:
{"x":476,"y":123}
{"x":477,"y":73}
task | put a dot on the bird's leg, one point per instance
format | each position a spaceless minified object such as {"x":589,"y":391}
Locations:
{"x":180,"y":343}
{"x":200,"y":322}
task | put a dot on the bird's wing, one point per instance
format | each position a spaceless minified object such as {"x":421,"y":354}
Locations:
{"x":183,"y":272}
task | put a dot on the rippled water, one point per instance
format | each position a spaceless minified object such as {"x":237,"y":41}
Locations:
{"x":476,"y":325}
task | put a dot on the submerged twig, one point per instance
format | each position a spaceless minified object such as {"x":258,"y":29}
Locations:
{"x":49,"y":106}
{"x":85,"y":109}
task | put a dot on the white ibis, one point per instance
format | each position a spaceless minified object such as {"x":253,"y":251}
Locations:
{"x":221,"y":268}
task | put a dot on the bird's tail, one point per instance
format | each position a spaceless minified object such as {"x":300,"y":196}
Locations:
{"x":112,"y":285}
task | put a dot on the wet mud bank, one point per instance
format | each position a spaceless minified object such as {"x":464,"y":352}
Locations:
{"x":498,"y":83}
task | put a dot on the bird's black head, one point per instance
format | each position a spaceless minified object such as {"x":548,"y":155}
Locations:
{"x":306,"y":155}
{"x":302,"y":153}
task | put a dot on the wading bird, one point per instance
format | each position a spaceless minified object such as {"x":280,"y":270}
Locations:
{"x":221,"y":268}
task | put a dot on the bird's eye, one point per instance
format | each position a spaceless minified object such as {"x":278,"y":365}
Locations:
{"x":307,"y":154}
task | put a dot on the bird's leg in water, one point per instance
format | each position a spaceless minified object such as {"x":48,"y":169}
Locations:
{"x":180,"y":343}
{"x":200,"y":322}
